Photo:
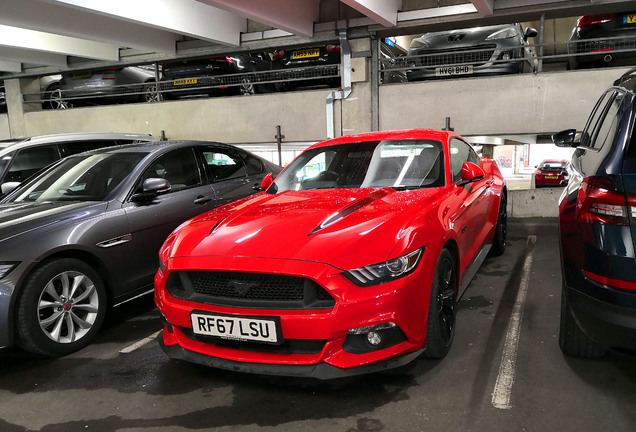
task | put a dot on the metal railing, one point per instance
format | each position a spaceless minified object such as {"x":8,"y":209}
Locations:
{"x":151,"y":91}
{"x":525,"y":58}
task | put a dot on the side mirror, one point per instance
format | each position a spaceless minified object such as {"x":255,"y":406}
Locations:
{"x":565,"y":138}
{"x":530,"y":32}
{"x":152,"y":187}
{"x":267,"y":181}
{"x":8,"y":187}
{"x":470,"y":173}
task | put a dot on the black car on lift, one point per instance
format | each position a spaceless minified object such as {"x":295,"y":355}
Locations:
{"x":603,"y":40}
{"x":235,"y":74}
{"x":597,"y":224}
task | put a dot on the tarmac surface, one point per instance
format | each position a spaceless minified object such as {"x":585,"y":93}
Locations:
{"x":505,"y":372}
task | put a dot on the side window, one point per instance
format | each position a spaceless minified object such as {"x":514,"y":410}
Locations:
{"x":588,"y":137}
{"x":28,"y":161}
{"x":223,"y":164}
{"x":179,"y":167}
{"x":253,"y":164}
{"x":460,"y":152}
{"x":606,"y":128}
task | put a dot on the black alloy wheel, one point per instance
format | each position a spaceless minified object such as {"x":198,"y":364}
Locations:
{"x":440,"y":329}
{"x":501,"y":231}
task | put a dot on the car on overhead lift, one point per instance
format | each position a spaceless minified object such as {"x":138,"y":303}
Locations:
{"x":477,"y":51}
{"x":351,"y":261}
{"x":603,"y":40}
{"x":597,"y":228}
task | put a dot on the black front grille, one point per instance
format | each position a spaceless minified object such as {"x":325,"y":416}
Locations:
{"x":250,"y":290}
{"x":475,"y":57}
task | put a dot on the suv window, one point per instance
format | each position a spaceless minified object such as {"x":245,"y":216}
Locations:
{"x":590,"y":135}
{"x":28,"y":161}
{"x":460,"y":152}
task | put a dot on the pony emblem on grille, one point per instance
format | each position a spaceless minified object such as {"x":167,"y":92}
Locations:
{"x":240,"y":287}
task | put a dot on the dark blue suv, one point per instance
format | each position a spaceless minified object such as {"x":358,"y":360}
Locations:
{"x":597,"y":225}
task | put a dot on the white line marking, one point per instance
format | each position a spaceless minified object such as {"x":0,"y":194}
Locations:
{"x":506,"y":377}
{"x":139,"y":344}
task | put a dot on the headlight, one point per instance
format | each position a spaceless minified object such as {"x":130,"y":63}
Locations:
{"x":165,"y":251}
{"x":417,"y":44}
{"x":504,"y":34}
{"x":384,"y":272}
{"x":6,"y":267}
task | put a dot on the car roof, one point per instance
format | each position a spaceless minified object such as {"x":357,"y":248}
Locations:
{"x":17,"y":143}
{"x":157,"y":146}
{"x":481,"y":29}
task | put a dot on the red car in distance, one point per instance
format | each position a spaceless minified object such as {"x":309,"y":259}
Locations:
{"x":551,"y":173}
{"x":351,"y":261}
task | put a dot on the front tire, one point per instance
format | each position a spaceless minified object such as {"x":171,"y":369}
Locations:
{"x":61,"y":308}
{"x":440,"y":328}
{"x":501,"y":231}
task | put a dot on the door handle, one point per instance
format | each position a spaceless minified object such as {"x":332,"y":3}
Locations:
{"x":203,"y":199}
{"x":489,"y":183}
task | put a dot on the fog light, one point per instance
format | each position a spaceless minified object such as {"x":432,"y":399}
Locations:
{"x":506,"y":56}
{"x":374,"y":338}
{"x":372,"y":329}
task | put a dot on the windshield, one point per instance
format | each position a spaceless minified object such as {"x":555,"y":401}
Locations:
{"x":553,"y":165}
{"x":398,"y":164}
{"x":80,"y":178}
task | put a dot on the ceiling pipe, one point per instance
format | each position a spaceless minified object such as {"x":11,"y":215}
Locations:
{"x":345,"y":50}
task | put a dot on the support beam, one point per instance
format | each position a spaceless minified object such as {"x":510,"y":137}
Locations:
{"x":47,"y":42}
{"x":39,"y":58}
{"x":484,"y":7}
{"x":7,"y":66}
{"x":296,"y":17}
{"x":185,"y":17}
{"x":383,"y":12}
{"x":52,"y":17}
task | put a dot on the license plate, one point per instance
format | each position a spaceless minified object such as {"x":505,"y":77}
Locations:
{"x":308,"y":53}
{"x":552,"y":177}
{"x":629,"y":19}
{"x":185,"y":81}
{"x":81,"y":75}
{"x":454,"y":70}
{"x":238,"y":328}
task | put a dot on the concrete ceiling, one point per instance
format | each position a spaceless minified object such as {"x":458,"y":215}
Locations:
{"x":57,"y":35}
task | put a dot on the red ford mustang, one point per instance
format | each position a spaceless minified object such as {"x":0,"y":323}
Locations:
{"x":351,"y":261}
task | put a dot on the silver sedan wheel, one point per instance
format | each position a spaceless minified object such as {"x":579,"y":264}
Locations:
{"x":68,"y":307}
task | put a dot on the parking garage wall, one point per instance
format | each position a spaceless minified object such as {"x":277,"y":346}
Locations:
{"x":516,"y":104}
{"x":502,"y":105}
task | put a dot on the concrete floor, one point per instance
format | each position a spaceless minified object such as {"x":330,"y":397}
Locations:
{"x":497,"y":377}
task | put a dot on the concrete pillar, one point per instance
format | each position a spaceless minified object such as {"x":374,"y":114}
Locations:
{"x":16,"y":107}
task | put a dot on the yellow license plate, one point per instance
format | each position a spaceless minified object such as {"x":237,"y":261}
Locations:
{"x":185,"y":81}
{"x":629,"y":19}
{"x":308,"y":53}
{"x":552,"y":177}
{"x":81,"y":75}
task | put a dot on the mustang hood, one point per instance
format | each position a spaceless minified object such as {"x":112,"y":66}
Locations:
{"x":20,"y":218}
{"x":341,"y":227}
